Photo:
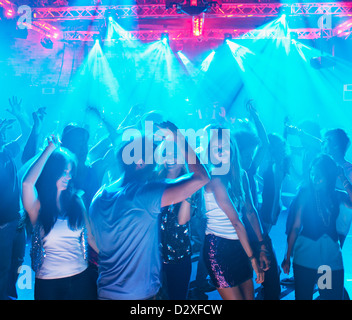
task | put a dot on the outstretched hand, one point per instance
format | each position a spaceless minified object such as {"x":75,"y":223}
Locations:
{"x":38,"y":117}
{"x":53,"y":142}
{"x":15,"y":107}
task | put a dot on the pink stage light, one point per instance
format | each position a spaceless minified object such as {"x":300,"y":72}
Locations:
{"x":197,"y":25}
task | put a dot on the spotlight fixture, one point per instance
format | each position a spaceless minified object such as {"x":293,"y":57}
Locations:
{"x":164,"y":38}
{"x":110,"y":14}
{"x":9,"y":13}
{"x":227,"y":36}
{"x":96,"y":37}
{"x":197,"y":25}
{"x":46,"y":42}
{"x":285,"y":11}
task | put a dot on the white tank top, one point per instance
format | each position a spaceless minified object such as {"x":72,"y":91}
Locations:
{"x":218,"y":223}
{"x":64,"y":255}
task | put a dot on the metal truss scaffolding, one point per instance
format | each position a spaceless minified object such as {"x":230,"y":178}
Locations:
{"x":45,"y":18}
{"x":160,"y":10}
{"x":217,"y":34}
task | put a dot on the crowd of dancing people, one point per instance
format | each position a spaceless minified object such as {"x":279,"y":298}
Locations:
{"x":101,"y":227}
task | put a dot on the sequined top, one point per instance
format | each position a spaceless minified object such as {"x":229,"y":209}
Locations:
{"x":175,"y":239}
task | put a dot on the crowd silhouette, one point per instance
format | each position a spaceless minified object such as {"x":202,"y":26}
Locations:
{"x":100,"y":226}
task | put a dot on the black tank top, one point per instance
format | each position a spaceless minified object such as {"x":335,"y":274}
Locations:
{"x":318,"y":217}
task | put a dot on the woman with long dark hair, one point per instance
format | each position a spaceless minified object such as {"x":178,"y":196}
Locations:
{"x":60,"y":226}
{"x":313,"y":239}
{"x":227,"y":252}
{"x":175,"y":234}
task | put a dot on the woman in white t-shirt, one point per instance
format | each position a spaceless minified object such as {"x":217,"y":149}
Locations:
{"x":58,"y":217}
{"x":227,"y":253}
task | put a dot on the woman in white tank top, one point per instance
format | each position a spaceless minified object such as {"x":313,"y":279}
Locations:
{"x":227,"y":252}
{"x":59,"y":222}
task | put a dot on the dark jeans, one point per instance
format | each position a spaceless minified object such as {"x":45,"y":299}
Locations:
{"x":77,"y":287}
{"x":177,"y":277}
{"x":271,"y":284}
{"x":305,"y":280}
{"x":12,"y":249}
{"x":202,"y":272}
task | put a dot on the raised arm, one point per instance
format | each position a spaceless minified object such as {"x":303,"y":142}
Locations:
{"x":184,"y":187}
{"x":16,"y":110}
{"x":30,"y":149}
{"x":308,"y":141}
{"x":29,"y":193}
{"x":133,"y":116}
{"x":264,"y":142}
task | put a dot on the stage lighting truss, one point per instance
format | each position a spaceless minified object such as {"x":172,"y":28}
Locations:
{"x":341,"y":9}
{"x":192,"y":7}
{"x":344,"y":29}
{"x":44,"y":17}
{"x":46,"y":29}
{"x":217,"y":34}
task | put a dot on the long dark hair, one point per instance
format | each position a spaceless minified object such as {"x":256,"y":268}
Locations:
{"x":329,"y":169}
{"x":47,"y":193}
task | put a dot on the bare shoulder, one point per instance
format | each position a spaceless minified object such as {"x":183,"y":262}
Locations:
{"x":215,"y":185}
